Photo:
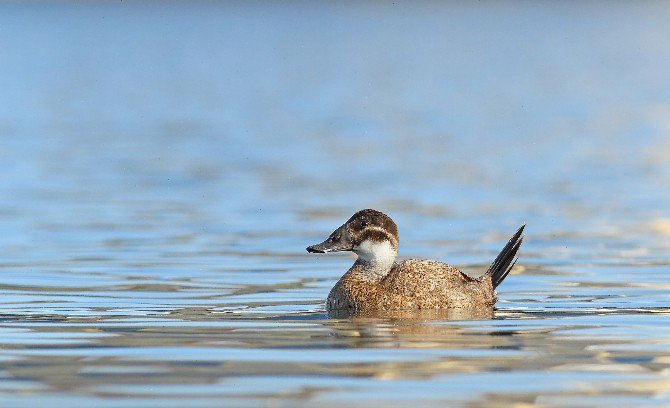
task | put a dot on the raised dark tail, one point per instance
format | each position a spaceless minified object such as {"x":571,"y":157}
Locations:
{"x":506,"y":259}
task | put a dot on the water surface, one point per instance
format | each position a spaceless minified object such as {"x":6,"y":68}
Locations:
{"x":164,"y":167}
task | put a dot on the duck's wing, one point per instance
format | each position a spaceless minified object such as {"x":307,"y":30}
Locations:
{"x":414,"y":276}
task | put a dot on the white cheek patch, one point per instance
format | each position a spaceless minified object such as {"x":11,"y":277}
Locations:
{"x":376,"y":252}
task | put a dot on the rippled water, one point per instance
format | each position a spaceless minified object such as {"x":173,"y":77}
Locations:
{"x":164,"y":167}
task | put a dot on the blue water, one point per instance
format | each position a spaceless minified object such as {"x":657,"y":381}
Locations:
{"x":165,"y":165}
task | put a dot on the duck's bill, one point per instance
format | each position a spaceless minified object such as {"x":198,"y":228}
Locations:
{"x":328,"y":246}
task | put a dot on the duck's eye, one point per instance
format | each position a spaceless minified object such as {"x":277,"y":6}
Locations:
{"x":364,"y":223}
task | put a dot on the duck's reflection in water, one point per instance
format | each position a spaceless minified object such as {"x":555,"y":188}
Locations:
{"x":406,"y":328}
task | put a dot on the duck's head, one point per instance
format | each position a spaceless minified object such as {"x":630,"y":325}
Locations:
{"x":370,"y":234}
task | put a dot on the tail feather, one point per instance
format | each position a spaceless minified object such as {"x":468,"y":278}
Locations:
{"x":506,"y":259}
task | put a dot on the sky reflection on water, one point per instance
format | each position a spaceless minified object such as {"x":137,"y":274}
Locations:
{"x":165,"y":165}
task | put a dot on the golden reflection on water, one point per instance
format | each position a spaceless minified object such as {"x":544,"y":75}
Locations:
{"x":255,"y":343}
{"x":192,"y":348}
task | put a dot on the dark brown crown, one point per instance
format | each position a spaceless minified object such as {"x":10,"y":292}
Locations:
{"x":374,"y":225}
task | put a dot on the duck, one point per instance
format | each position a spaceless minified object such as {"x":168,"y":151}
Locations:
{"x":377,"y":282}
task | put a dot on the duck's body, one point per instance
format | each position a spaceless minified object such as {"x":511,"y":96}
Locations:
{"x":411,"y":284}
{"x":377,"y":282}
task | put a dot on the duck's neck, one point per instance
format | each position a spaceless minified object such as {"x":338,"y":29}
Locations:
{"x":375,"y":260}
